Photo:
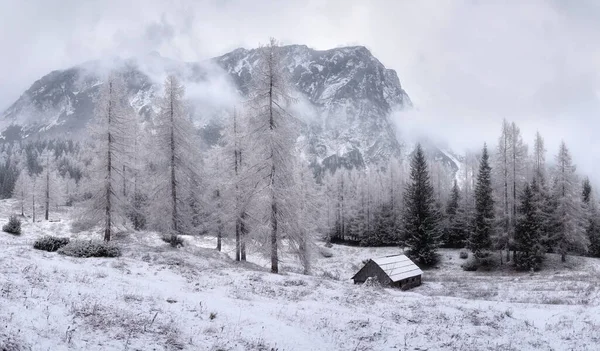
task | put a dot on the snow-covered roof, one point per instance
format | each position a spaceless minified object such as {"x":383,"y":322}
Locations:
{"x":398,"y":267}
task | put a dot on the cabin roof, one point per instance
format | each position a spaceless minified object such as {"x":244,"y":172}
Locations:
{"x":398,"y":267}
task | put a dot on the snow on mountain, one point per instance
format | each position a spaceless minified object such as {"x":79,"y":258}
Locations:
{"x":345,"y":96}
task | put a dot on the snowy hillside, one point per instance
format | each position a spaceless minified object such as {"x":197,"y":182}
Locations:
{"x":195,"y":298}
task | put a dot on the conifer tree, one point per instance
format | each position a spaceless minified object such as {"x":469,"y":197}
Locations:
{"x":592,"y":218}
{"x":109,"y":134}
{"x":480,"y":239}
{"x":178,"y":164}
{"x":454,"y":231}
{"x":274,"y":134}
{"x":421,"y":230}
{"x":529,"y":231}
{"x":567,"y":219}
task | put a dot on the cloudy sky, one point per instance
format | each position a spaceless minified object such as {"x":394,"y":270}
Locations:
{"x":466,"y":64}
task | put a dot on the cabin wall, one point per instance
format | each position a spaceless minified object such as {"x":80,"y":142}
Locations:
{"x":371,"y":269}
{"x":408,"y":283}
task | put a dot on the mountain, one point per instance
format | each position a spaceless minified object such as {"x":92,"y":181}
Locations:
{"x":345,"y":97}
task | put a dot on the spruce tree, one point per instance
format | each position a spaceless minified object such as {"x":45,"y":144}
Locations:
{"x":454,"y":231}
{"x":593,"y":219}
{"x":480,"y":239}
{"x":528,"y":231}
{"x":586,"y":192}
{"x":420,"y":214}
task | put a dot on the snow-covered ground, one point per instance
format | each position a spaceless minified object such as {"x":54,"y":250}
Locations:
{"x":195,"y":298}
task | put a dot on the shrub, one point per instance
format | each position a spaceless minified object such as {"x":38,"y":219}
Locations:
{"x":471,"y":265}
{"x":325,"y":252}
{"x":178,"y":240}
{"x":92,"y":248}
{"x":50,"y":243}
{"x":13,"y":226}
{"x":463,"y":254}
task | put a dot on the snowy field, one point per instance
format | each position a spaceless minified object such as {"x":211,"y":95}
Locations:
{"x":195,"y":298}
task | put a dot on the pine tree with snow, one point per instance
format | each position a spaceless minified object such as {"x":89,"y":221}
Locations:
{"x":483,"y":227}
{"x":592,"y":217}
{"x":455,"y":232}
{"x":528,"y":231}
{"x":586,"y":191}
{"x":421,"y":230}
{"x":567,"y":220}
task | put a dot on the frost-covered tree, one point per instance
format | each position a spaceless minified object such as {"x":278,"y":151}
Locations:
{"x":529,"y":230}
{"x":567,"y":220}
{"x":51,"y":183}
{"x":22,"y":190}
{"x":273,"y":137}
{"x":483,"y":227}
{"x":421,"y":229}
{"x":539,"y":156}
{"x":177,"y":162}
{"x":109,"y":135}
{"x":455,"y":231}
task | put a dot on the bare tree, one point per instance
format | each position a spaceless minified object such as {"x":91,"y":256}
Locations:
{"x":274,"y":133}
{"x":109,"y":134}
{"x":177,"y":161}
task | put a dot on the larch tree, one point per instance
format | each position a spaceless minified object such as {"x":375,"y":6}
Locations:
{"x":274,"y":134}
{"x":483,"y":227}
{"x":22,"y":190}
{"x":51,"y":183}
{"x":420,"y":214}
{"x":177,"y":162}
{"x":242,"y":188}
{"x":567,"y":220}
{"x":109,"y":134}
{"x":539,"y":156}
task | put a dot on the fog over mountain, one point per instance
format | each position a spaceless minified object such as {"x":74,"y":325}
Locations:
{"x":467,"y":64}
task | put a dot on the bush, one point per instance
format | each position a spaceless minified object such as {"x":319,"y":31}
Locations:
{"x":178,"y":240}
{"x":471,"y":265}
{"x":463,"y":254}
{"x":325,"y":252}
{"x":50,"y":243}
{"x":92,"y":248}
{"x":13,"y":226}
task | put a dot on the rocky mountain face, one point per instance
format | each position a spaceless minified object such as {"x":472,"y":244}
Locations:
{"x":345,"y":97}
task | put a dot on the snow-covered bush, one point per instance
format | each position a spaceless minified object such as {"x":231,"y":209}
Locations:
{"x":92,"y":248}
{"x":325,"y":252}
{"x":471,"y":265}
{"x":178,"y":240}
{"x":13,"y":226}
{"x":463,"y":254}
{"x":50,"y":243}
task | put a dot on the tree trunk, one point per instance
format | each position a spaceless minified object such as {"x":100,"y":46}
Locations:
{"x":47,"y":193}
{"x":243,"y":235}
{"x":173,"y":179}
{"x":108,"y":218}
{"x":272,"y":126}
{"x":274,"y":258}
{"x":124,"y":183}
{"x":563,"y":258}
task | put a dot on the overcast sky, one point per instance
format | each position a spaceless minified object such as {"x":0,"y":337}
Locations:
{"x":466,"y":64}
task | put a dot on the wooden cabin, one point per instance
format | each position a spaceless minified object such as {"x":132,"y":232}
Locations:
{"x":396,"y":271}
